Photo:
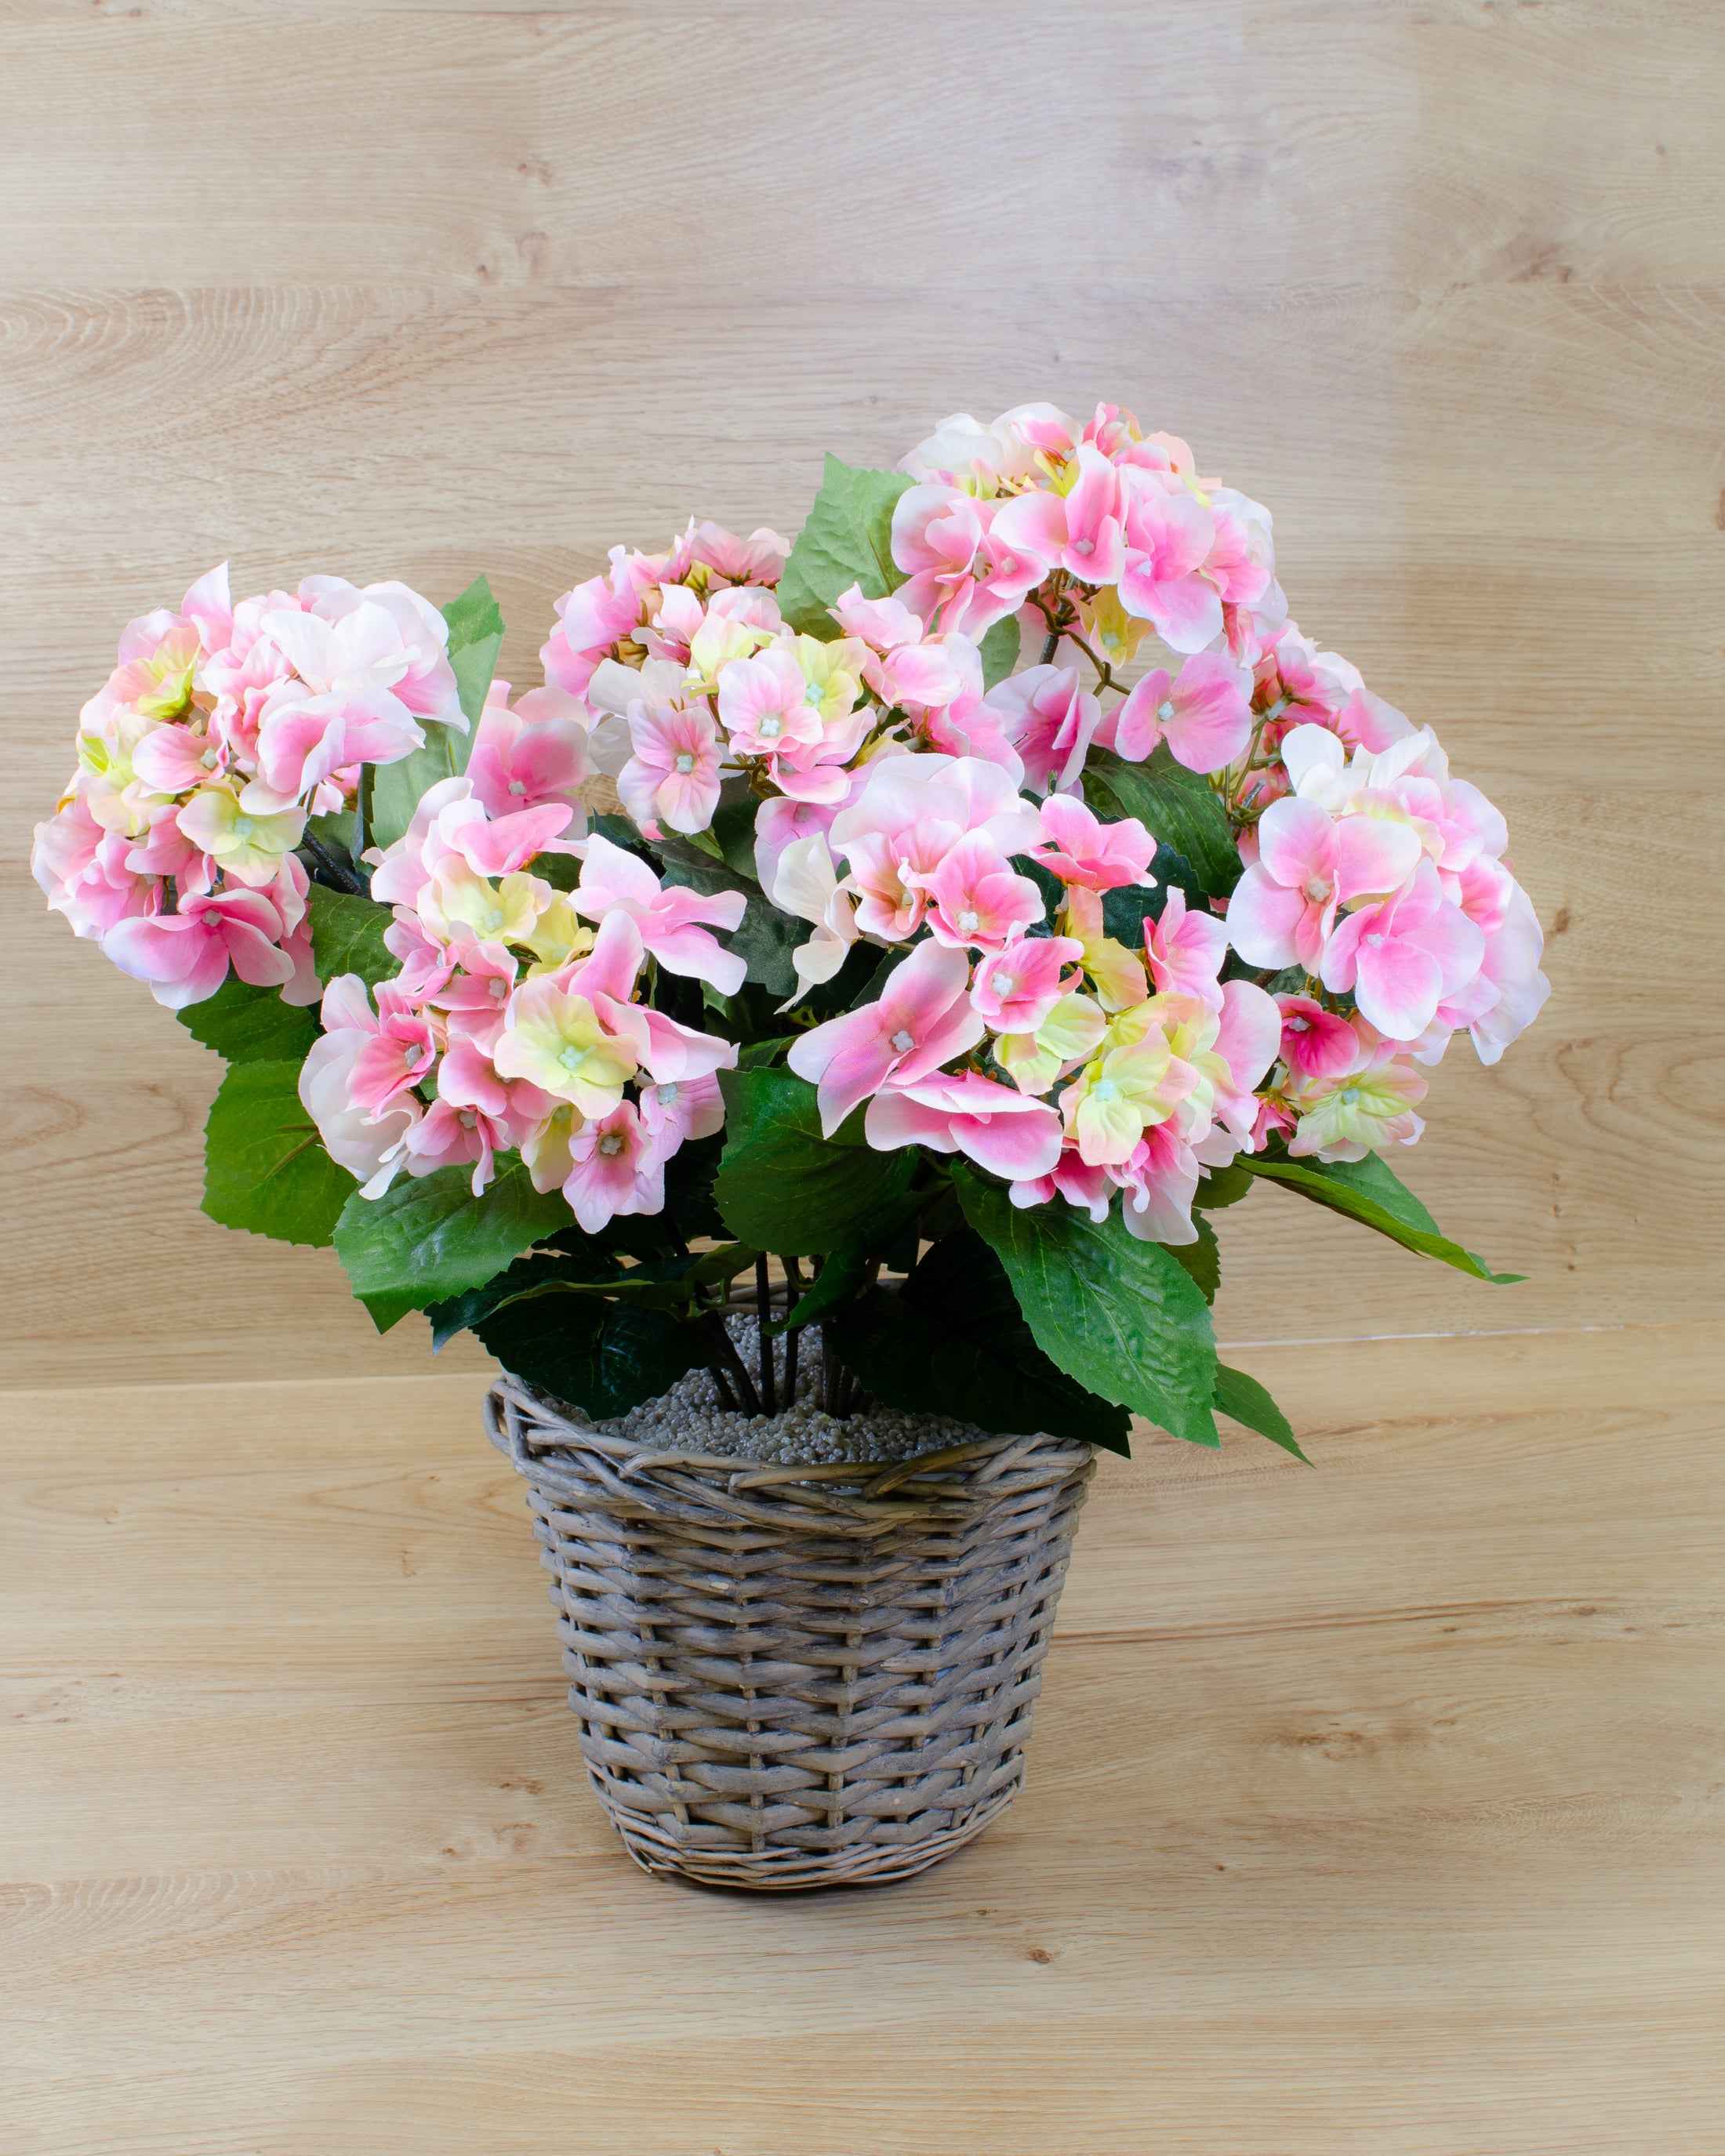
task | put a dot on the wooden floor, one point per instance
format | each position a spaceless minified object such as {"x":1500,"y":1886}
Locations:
{"x":1374,"y":1809}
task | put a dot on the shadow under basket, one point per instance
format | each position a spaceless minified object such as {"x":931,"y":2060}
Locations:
{"x":791,"y":1678}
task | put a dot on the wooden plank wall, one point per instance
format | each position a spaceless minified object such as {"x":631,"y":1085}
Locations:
{"x":418,"y":290}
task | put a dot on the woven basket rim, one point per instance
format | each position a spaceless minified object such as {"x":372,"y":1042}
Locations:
{"x":931,"y":1475}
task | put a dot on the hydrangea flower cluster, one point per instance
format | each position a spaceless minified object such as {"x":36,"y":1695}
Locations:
{"x":515,"y":1023}
{"x":221,"y":729}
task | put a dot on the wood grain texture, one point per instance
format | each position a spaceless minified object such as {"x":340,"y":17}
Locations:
{"x":1373,"y":1809}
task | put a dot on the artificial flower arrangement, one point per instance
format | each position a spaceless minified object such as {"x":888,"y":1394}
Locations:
{"x":965,"y":988}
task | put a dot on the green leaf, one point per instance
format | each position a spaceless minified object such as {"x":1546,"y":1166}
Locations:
{"x":602,"y":1358}
{"x":1368,"y":1191}
{"x":847,"y":540}
{"x":1175,"y":805}
{"x":265,"y":1166}
{"x":1120,"y":1316}
{"x":1247,"y":1401}
{"x":251,"y":1025}
{"x":459,"y":1313}
{"x":734,"y":829}
{"x":783,"y":1186}
{"x":430,"y":1237}
{"x":476,"y":639}
{"x":1202,"y":1261}
{"x":954,"y":1342}
{"x":1218,"y":1187}
{"x":1000,"y":649}
{"x":764,"y":940}
{"x":841,"y":1275}
{"x":654,"y":1283}
{"x":348,"y":936}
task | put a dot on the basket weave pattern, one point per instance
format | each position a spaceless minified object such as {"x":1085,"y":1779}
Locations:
{"x":792,"y":1677}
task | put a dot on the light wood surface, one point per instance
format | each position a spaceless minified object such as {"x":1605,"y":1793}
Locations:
{"x":1422,"y":1852}
{"x":421,"y":289}
{"x":1375,"y":1810}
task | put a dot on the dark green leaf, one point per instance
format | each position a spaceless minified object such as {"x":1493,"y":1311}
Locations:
{"x":1367,"y":1191}
{"x":459,"y":1313}
{"x":841,"y":1275}
{"x":602,"y":1358}
{"x":952,"y":1342}
{"x":654,"y":1283}
{"x":764,"y":941}
{"x":432,"y":1239}
{"x":1000,"y":649}
{"x":251,"y":1025}
{"x":734,"y":829}
{"x":348,"y":936}
{"x":847,"y":540}
{"x":782,"y":1187}
{"x":1218,"y":1187}
{"x":476,"y":639}
{"x":762,"y":1054}
{"x":1247,"y":1401}
{"x":1202,"y":1261}
{"x":1175,"y":805}
{"x":1118,"y":1314}
{"x":265,"y":1166}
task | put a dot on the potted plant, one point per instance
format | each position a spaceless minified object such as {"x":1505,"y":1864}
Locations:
{"x":825,"y":1143}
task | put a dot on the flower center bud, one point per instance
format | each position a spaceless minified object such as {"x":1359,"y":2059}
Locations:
{"x":1317,"y":890}
{"x":1299,"y":1025}
{"x":685,"y":764}
{"x":213,"y":919}
{"x":903,"y":1042}
{"x":517,"y":785}
{"x":1105,"y":1089}
{"x":494,"y":919}
{"x":572,"y":1058}
{"x":244,"y":827}
{"x":611,"y":1144}
{"x":667,"y":1095}
{"x":771,"y":727}
{"x":1085,"y":547}
{"x":967,"y":922}
{"x":1376,"y":941}
{"x":467,"y":1120}
{"x":813,"y":693}
{"x":1004,"y":986}
{"x":1350,"y":1096}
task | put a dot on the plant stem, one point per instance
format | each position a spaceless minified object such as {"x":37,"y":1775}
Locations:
{"x":763,"y":1318}
{"x":339,"y":874}
{"x":793,"y":1296}
{"x":727,"y":1398}
{"x":740,"y":1378}
{"x":1049,"y":648}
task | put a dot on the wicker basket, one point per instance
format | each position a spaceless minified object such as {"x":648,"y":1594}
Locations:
{"x":797,"y":1676}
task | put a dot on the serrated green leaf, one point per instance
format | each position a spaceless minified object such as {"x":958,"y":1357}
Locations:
{"x":265,"y":1169}
{"x":999,"y":649}
{"x":1119,"y":1316}
{"x":954,"y":1342}
{"x":251,"y":1025}
{"x":847,"y":540}
{"x":1247,"y":1402}
{"x":600,"y":1357}
{"x":1201,"y":1260}
{"x":476,"y":639}
{"x":783,"y":1186}
{"x":461,"y":1313}
{"x":348,"y":936}
{"x":654,"y":1284}
{"x":1369,"y":1192}
{"x":1176,"y":806}
{"x":431,"y":1239}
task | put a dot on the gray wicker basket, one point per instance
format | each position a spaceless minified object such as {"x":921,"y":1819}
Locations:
{"x":792,"y":1677}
